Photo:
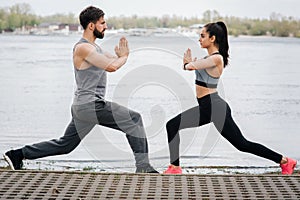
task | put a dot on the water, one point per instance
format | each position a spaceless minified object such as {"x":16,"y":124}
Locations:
{"x":261,"y":85}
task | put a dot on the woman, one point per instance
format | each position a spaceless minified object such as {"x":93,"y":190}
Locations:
{"x":212,"y":108}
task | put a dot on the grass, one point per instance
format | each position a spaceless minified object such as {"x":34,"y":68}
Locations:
{"x":5,"y":168}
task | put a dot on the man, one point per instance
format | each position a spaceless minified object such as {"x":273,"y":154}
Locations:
{"x":89,"y":107}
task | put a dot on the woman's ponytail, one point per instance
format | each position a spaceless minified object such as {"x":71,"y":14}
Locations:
{"x":219,"y":30}
{"x":224,"y":46}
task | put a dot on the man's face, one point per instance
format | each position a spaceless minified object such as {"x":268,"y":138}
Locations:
{"x":100,"y":27}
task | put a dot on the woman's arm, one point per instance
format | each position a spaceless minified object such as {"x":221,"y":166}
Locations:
{"x":194,"y":64}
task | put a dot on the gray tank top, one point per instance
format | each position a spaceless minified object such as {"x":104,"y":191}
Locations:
{"x":91,"y":82}
{"x":204,"y":79}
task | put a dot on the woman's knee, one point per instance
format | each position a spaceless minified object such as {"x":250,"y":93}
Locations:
{"x":172,"y":125}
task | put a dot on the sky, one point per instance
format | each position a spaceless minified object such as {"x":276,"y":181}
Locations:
{"x":186,"y":8}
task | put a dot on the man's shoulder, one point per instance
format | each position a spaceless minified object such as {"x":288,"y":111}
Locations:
{"x":83,"y":48}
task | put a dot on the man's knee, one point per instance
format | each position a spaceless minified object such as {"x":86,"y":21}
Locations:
{"x":136,"y":118}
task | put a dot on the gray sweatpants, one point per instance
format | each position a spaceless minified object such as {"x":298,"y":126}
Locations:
{"x":84,"y":118}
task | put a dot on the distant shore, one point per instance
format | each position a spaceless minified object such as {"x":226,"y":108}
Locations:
{"x":170,"y":34}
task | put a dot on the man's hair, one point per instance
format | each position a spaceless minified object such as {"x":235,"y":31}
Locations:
{"x":90,"y":14}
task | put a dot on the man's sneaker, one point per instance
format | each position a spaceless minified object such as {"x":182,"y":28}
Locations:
{"x":145,"y":169}
{"x":14,"y":161}
{"x":173,"y":170}
{"x":288,"y":168}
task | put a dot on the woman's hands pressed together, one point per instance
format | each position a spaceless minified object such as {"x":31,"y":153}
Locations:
{"x":187,"y":58}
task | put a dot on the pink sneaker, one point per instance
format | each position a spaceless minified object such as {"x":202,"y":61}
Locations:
{"x":288,"y":168}
{"x":173,"y":170}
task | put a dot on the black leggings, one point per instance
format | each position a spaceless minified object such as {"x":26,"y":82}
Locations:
{"x":212,"y":108}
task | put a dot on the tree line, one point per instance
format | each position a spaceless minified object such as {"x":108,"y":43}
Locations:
{"x":21,"y":15}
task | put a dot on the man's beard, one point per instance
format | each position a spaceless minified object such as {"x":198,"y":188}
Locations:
{"x":99,"y":34}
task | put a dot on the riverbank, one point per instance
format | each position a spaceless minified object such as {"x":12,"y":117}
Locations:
{"x":94,"y":166}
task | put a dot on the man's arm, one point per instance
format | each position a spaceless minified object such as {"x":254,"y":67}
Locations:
{"x":109,"y":55}
{"x":110,"y":64}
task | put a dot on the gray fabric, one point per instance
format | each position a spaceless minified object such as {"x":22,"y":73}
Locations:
{"x":203,"y":76}
{"x":85,"y":117}
{"x":88,"y":109}
{"x":91,"y":82}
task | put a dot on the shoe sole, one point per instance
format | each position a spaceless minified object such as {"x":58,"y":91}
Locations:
{"x":7,"y":159}
{"x":172,"y":173}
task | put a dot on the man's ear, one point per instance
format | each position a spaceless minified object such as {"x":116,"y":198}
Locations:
{"x":91,"y":26}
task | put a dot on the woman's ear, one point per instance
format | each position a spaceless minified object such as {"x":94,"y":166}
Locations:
{"x":212,"y":39}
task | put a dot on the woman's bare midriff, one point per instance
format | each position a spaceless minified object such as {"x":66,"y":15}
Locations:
{"x":203,"y":91}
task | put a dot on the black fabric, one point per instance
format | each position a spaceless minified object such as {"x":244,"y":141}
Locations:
{"x":212,"y":108}
{"x":207,"y":85}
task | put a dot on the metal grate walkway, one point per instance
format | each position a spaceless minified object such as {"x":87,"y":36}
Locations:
{"x":77,"y":185}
